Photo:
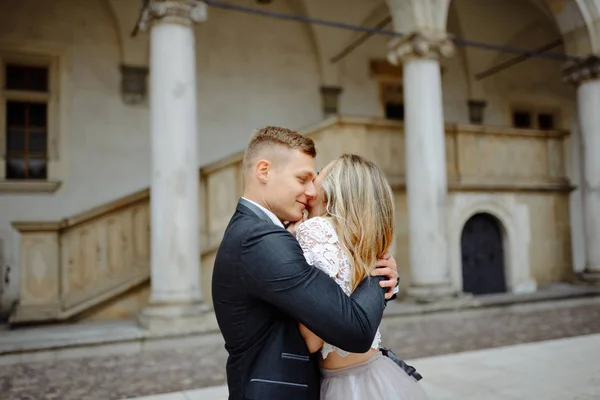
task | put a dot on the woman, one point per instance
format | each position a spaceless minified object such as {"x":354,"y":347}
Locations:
{"x":351,"y":226}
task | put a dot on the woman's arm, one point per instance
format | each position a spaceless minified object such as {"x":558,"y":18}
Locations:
{"x":318,"y":241}
{"x":313,"y":342}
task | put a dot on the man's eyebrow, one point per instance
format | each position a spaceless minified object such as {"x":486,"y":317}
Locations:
{"x":308,"y":173}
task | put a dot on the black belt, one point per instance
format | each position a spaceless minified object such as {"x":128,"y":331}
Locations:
{"x":410,"y":370}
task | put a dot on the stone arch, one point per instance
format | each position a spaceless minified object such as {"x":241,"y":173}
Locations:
{"x":553,"y":22}
{"x":299,"y":7}
{"x":329,"y":74}
{"x":111,"y":12}
{"x":577,"y":22}
{"x":536,"y":82}
{"x":483,"y":244}
{"x":124,"y":14}
{"x":514,"y":220}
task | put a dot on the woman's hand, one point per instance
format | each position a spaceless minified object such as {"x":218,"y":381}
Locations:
{"x":387,"y":267}
{"x":293,"y":226}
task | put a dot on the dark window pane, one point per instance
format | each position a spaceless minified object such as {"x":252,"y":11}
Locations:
{"x":20,"y":77}
{"x":38,"y":79}
{"x":15,"y":168}
{"x":15,"y":113}
{"x":15,"y":140}
{"x":546,"y":121}
{"x":37,"y":114}
{"x":394,"y":111}
{"x":522,"y":119}
{"x":37,"y":168}
{"x":37,"y":142}
{"x":15,"y":77}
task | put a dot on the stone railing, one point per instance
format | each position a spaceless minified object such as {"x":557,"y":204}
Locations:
{"x":478,"y":158}
{"x":484,"y":158}
{"x":74,"y":264}
{"x":71,"y":265}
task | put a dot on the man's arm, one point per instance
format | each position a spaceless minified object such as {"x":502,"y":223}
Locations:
{"x":277,"y":272}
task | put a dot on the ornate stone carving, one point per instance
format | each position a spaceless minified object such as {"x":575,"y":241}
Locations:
{"x":584,"y":70}
{"x":420,"y":45}
{"x":179,"y":11}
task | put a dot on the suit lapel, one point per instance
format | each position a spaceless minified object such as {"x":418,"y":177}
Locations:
{"x":255,"y":210}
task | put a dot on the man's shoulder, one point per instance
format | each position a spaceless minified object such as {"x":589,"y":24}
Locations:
{"x":246,"y":230}
{"x":249,"y":225}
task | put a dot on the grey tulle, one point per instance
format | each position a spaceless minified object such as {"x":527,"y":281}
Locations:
{"x":375,"y":379}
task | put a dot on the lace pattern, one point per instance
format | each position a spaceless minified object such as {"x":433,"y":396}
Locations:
{"x":322,"y":249}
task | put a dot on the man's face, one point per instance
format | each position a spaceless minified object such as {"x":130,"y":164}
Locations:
{"x":290,"y":186}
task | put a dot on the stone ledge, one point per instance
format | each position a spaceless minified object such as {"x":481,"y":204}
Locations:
{"x":165,"y":321}
{"x":42,"y":343}
{"x":462,"y":302}
{"x":398,"y":182}
{"x":589,"y":277}
{"x":29,"y":186}
{"x":62,"y":341}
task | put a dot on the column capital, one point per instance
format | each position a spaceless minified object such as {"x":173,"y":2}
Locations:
{"x":584,"y":70}
{"x":420,"y":44}
{"x":184,"y":12}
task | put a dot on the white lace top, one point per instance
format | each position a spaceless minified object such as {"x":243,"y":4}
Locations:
{"x":321,"y":247}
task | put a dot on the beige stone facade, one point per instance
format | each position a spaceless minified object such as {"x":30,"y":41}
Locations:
{"x":78,"y":243}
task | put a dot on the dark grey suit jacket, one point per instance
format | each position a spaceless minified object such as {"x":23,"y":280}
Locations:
{"x":261,"y":287}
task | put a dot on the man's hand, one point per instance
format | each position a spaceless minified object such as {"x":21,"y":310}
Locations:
{"x":293,"y":226}
{"x":387,"y":267}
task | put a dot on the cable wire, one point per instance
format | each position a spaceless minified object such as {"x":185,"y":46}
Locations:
{"x":358,"y":28}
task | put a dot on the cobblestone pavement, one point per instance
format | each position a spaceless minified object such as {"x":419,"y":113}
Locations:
{"x":167,"y":370}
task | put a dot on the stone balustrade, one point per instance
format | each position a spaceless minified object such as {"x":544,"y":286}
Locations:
{"x":72,"y":265}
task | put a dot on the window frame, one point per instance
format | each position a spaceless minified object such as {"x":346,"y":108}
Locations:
{"x":52,"y":100}
{"x":535,"y":112}
{"x":386,"y":74}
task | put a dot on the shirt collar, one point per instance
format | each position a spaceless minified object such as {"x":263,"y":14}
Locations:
{"x":271,"y":216}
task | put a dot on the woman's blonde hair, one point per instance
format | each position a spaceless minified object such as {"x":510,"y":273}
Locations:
{"x":360,"y":204}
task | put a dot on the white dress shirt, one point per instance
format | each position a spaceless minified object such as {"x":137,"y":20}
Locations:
{"x":272,"y":216}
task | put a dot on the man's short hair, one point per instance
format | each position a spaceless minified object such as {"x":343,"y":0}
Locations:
{"x":276,"y":136}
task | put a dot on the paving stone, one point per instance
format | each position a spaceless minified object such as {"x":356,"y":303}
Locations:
{"x":169,"y":370}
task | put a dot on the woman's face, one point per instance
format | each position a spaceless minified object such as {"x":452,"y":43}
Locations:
{"x":317,"y":206}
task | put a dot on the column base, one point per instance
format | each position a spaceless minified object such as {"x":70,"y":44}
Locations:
{"x":431,"y":293}
{"x":593,"y":269}
{"x":178,"y":319}
{"x":591,"y":275}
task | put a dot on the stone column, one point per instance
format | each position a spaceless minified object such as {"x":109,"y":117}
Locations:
{"x":175,"y":298}
{"x":426,"y":182}
{"x":585,"y":76}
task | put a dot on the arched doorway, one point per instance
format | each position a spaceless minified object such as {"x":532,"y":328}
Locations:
{"x":482,"y":255}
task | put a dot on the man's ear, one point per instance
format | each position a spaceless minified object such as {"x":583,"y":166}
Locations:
{"x":263,"y":167}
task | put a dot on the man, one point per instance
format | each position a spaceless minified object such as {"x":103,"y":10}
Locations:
{"x":262,"y":286}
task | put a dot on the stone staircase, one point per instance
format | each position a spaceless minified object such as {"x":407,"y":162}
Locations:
{"x":95,"y":265}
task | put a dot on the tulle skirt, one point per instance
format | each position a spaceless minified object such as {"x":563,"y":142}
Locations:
{"x":378,"y":378}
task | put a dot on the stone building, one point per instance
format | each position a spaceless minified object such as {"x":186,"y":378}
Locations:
{"x":492,"y":152}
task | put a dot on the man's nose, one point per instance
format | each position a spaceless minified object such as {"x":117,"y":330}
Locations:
{"x":311,"y":190}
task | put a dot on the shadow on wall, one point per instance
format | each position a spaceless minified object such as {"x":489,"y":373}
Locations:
{"x":4,"y":282}
{"x":5,"y":309}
